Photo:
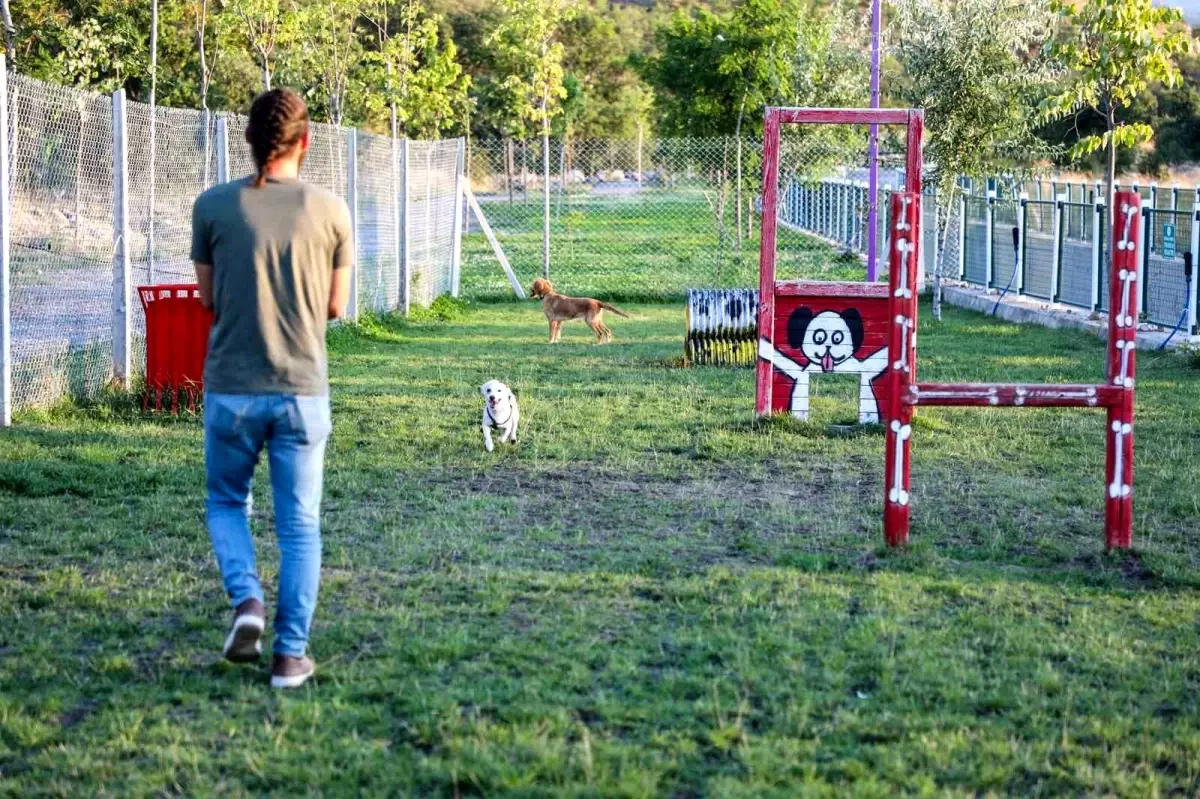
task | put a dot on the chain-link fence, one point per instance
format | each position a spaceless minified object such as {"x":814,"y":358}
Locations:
{"x":64,"y":263}
{"x":655,"y":218}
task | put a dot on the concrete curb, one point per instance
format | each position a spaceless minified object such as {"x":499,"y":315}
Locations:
{"x":1027,"y":311}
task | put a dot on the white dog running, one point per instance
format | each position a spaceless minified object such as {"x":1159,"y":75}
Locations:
{"x":500,"y":412}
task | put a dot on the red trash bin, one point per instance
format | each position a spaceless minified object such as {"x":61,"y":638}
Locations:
{"x":177,"y":328}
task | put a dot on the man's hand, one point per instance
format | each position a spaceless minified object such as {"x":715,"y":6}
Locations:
{"x":204,"y":274}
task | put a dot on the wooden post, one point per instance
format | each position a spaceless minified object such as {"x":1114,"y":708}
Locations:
{"x":905,"y":221}
{"x":122,"y":273}
{"x":1122,"y":368}
{"x":766,"y":258}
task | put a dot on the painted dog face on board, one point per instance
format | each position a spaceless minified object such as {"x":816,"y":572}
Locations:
{"x":826,"y":339}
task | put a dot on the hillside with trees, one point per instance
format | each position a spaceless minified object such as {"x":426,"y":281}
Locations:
{"x":612,"y":70}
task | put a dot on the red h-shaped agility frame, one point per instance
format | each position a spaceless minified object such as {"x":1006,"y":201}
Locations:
{"x":903,"y":393}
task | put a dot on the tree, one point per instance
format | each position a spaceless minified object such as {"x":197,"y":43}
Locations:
{"x":266,"y":25}
{"x":972,"y":65}
{"x":327,"y":51}
{"x":414,"y":73}
{"x":1111,"y":51}
{"x":528,"y":49}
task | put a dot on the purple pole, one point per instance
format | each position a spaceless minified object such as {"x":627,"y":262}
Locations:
{"x":873,"y":150}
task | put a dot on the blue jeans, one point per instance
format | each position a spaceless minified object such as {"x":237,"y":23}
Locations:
{"x":294,"y":430}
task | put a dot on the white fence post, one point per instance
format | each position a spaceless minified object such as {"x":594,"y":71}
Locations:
{"x":405,"y":251}
{"x":1057,"y":252}
{"x":121,"y":327}
{"x":1098,"y":235}
{"x":456,"y":250}
{"x":396,"y":220}
{"x":1191,"y":288}
{"x":962,"y":234}
{"x":222,"y":149}
{"x":5,"y":263}
{"x":352,"y":203}
{"x":990,"y":256}
{"x":1022,"y":222}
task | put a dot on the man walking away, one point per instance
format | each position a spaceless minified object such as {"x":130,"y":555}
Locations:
{"x":273,"y":261}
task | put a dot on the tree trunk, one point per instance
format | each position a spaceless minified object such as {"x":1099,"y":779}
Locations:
{"x":940,"y":260}
{"x":266,"y":75}
{"x":9,"y":45}
{"x":1110,"y":179}
{"x":205,"y":76}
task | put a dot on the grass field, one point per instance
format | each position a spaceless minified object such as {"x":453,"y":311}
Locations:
{"x":652,"y":594}
{"x":648,"y":246}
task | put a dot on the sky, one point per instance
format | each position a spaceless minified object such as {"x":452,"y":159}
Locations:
{"x":1191,"y":8}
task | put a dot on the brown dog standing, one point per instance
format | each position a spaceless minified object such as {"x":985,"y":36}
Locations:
{"x":561,"y":309}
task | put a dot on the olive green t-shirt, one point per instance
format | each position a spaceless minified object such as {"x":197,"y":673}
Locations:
{"x":273,"y":250}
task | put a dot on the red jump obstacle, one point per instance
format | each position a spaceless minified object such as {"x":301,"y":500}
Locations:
{"x":807,"y":327}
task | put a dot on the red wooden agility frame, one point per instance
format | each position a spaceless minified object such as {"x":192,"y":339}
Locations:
{"x":904,"y":393}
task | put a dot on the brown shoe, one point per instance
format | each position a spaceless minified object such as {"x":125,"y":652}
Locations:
{"x":244,"y":644}
{"x":290,"y":672}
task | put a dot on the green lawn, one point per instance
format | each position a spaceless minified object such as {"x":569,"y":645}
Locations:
{"x":652,"y":594}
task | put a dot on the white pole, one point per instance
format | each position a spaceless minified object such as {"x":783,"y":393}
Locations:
{"x":1191,"y":288}
{"x":222,"y":149}
{"x":1056,"y":254}
{"x":1022,"y":221}
{"x":396,"y":220}
{"x":405,"y":251}
{"x":121,"y":264}
{"x":5,"y":263}
{"x":1097,"y":246}
{"x":546,"y":200}
{"x":990,"y":258}
{"x":962,"y":235}
{"x":352,"y":203}
{"x":150,"y":179}
{"x":456,"y":251}
{"x":491,"y":237}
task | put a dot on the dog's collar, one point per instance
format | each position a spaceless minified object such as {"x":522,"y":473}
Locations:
{"x":495,"y":423}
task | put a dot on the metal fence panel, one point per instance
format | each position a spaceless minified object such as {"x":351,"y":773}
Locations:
{"x":62,"y":241}
{"x":1075,"y":275}
{"x":1039,"y":249}
{"x":1004,"y":263}
{"x":975,"y":246}
{"x":1166,"y":286}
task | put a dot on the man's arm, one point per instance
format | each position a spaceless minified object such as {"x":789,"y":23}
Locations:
{"x":339,"y":291}
{"x":343,"y":264}
{"x":204,"y":281}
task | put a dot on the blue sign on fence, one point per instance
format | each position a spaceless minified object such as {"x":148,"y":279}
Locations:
{"x":1168,"y":241}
